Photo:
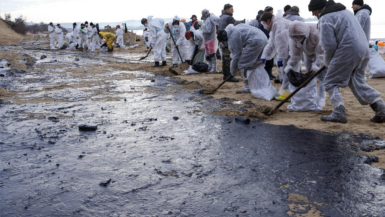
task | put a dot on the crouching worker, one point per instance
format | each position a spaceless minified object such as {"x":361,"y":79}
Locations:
{"x":178,"y":32}
{"x":110,"y":38}
{"x":197,"y":46}
{"x":246,"y":44}
{"x":305,"y":40}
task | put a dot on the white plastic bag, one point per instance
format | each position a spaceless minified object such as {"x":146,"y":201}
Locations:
{"x":191,"y":71}
{"x":305,"y":99}
{"x":260,"y":84}
{"x":376,"y":65}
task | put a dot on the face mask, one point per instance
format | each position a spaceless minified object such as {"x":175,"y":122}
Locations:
{"x":146,"y":25}
{"x":203,"y":18}
{"x":176,"y":26}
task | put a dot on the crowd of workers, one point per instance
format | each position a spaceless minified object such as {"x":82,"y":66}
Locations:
{"x":339,"y":42}
{"x":86,"y":37}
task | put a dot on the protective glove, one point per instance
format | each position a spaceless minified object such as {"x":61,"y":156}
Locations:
{"x":263,"y":60}
{"x":280,"y":64}
{"x":167,"y":25}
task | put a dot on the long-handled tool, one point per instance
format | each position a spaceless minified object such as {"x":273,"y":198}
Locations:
{"x":215,"y":90}
{"x":297,"y":90}
{"x":142,"y":58}
{"x":184,"y":66}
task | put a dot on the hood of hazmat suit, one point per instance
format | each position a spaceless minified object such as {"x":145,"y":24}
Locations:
{"x":304,"y":39}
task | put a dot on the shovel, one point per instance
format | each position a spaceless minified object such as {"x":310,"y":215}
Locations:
{"x":184,"y":66}
{"x":142,"y":58}
{"x":297,"y":90}
{"x":215,"y":90}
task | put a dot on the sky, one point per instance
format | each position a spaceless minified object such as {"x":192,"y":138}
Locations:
{"x":66,"y":11}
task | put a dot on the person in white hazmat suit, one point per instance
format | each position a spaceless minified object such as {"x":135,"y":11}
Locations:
{"x":278,"y":45}
{"x":363,"y":13}
{"x":157,"y":39}
{"x":146,"y":37}
{"x":346,"y":53}
{"x":59,"y":36}
{"x":119,"y":37}
{"x":70,"y":40}
{"x":89,"y":32}
{"x":94,"y":38}
{"x":178,"y":31}
{"x":305,"y":40}
{"x":52,"y":36}
{"x":83,"y":36}
{"x":209,"y":34}
{"x":75,"y":33}
{"x":197,"y":45}
{"x":293,"y":14}
{"x":246,"y":44}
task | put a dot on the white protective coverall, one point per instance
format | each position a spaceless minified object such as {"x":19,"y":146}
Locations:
{"x":71,"y":42}
{"x":254,"y":23}
{"x":119,"y":37}
{"x":363,"y":17}
{"x":209,"y":34}
{"x":197,"y":40}
{"x":307,"y":98}
{"x":59,"y":36}
{"x":89,"y":33}
{"x":75,"y":33}
{"x":157,"y":38}
{"x":279,"y":45}
{"x":146,"y":34}
{"x":52,"y":36}
{"x":178,"y":32}
{"x":293,"y":16}
{"x":346,"y":53}
{"x":246,"y":44}
{"x":69,"y":38}
{"x":83,"y":37}
{"x":95,"y":39}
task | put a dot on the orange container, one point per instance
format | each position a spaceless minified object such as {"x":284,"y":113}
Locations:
{"x":381,"y":44}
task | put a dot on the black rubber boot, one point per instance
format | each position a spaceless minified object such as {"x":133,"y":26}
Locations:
{"x":188,"y":62}
{"x":379,"y":109}
{"x":338,"y":116}
{"x":164,"y":63}
{"x":174,"y":66}
{"x":156,"y":64}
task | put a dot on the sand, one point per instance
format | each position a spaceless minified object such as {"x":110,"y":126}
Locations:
{"x":8,"y":36}
{"x":358,"y":115}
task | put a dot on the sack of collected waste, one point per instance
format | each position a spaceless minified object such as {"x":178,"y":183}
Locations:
{"x":260,"y":85}
{"x":200,"y":67}
{"x":376,"y":65}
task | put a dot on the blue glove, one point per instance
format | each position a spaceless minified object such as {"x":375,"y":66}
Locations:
{"x":263,"y":60}
{"x":280,"y":64}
